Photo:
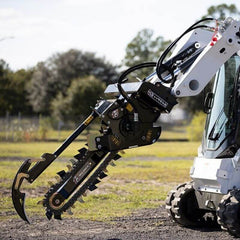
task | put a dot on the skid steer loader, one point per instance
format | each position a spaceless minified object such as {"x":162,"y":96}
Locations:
{"x":130,"y":117}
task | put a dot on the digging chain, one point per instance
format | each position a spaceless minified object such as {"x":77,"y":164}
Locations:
{"x":80,"y":192}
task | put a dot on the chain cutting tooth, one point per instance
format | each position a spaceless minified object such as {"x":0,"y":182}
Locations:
{"x":69,"y":211}
{"x":96,"y":181}
{"x":112,"y":164}
{"x":82,"y":152}
{"x":105,"y":170}
{"x":80,"y":199}
{"x":72,"y":161}
{"x":102,"y":175}
{"x":49,"y":214}
{"x":85,"y":193}
{"x":78,"y":157}
{"x":58,"y":216}
{"x":116,"y":157}
{"x":61,"y":173}
{"x":69,"y":167}
{"x":58,"y":178}
{"x":44,"y":202}
{"x":92,"y":187}
{"x":122,"y":152}
{"x":40,"y":202}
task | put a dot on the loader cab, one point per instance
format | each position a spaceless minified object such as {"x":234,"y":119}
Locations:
{"x":221,"y":135}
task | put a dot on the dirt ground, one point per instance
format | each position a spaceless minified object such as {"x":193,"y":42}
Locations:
{"x":147,"y":224}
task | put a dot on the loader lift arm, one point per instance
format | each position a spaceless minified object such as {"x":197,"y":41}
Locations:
{"x":129,"y":116}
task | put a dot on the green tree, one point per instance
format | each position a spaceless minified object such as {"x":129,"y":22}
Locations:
{"x":222,"y":11}
{"x":75,"y":63}
{"x":42,"y":88}
{"x":55,"y":76}
{"x":196,"y":127}
{"x":12,"y":90}
{"x":6,"y":93}
{"x":82,"y":93}
{"x":20,"y":82}
{"x":144,"y":47}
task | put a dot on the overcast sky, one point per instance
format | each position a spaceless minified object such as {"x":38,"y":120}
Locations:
{"x":33,"y":30}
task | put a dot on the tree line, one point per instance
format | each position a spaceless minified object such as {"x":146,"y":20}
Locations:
{"x":64,"y":86}
{"x":67,"y":84}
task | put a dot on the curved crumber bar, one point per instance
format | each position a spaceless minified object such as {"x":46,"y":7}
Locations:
{"x":18,"y":197}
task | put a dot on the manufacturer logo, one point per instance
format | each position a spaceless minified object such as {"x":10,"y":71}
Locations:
{"x":157,"y":98}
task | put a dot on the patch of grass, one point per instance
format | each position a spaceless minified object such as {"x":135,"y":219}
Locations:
{"x":109,"y":205}
{"x":174,"y":133}
{"x":165,"y":149}
{"x":161,"y":171}
{"x":130,"y":186}
{"x":36,"y":149}
{"x":158,"y":149}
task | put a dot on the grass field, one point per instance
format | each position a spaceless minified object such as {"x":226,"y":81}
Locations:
{"x":134,"y":184}
{"x":159,"y":149}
